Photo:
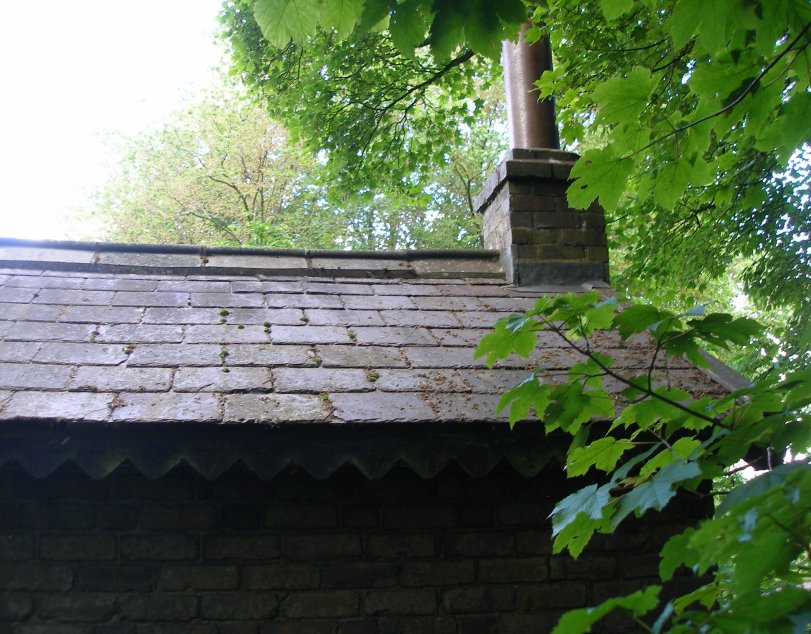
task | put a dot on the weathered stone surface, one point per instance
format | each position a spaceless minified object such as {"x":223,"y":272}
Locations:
{"x":434,"y":357}
{"x":121,"y":379}
{"x":360,"y":357}
{"x":321,"y":380}
{"x":472,"y":407}
{"x":169,"y":406}
{"x":275,"y":408}
{"x":135,"y":298}
{"x":174,"y":355}
{"x":300,"y":300}
{"x":226,"y":300}
{"x":29,"y":312}
{"x":80,"y":353}
{"x":17,"y":295}
{"x":48,"y":331}
{"x":77,"y":406}
{"x":269,"y":286}
{"x":448,"y":303}
{"x":115,"y":283}
{"x":33,"y":376}
{"x":432,"y":318}
{"x":456,"y":336}
{"x":190,"y":286}
{"x":337,"y":288}
{"x":158,"y":260}
{"x":11,"y":351}
{"x":139,"y":333}
{"x":393,"y":336}
{"x":226,"y":333}
{"x":377,"y":302}
{"x":67,"y":297}
{"x":309,"y":334}
{"x":263,"y":316}
{"x":221,"y":379}
{"x":381,"y":407}
{"x":323,"y":317}
{"x":100,"y":314}
{"x":181,"y":316}
{"x":268,"y":355}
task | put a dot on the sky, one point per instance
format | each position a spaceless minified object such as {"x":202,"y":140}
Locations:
{"x":74,"y":73}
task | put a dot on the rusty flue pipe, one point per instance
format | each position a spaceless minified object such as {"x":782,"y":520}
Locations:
{"x":531,"y":120}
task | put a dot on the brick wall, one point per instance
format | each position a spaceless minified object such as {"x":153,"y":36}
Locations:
{"x":344,"y":555}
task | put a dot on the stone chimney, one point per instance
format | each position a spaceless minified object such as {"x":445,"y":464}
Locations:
{"x":542,"y":240}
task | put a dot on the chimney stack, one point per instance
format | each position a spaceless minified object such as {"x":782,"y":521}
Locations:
{"x":527,"y":218}
{"x":526,"y":215}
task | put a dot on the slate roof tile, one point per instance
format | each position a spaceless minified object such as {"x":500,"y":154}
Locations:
{"x":353,"y":356}
{"x":309,"y":334}
{"x":226,"y":333}
{"x":17,"y":295}
{"x":31,"y":312}
{"x":393,"y":336}
{"x":157,"y":407}
{"x":221,"y":379}
{"x":80,"y":353}
{"x":138,"y":333}
{"x":157,"y":298}
{"x":21,"y":351}
{"x":271,"y":355}
{"x":275,"y":408}
{"x":428,"y":318}
{"x":181,"y":316}
{"x":376,"y":407}
{"x":321,"y":380}
{"x":70,"y":406}
{"x":98,"y":314}
{"x":33,"y":376}
{"x":121,"y":379}
{"x":48,"y":331}
{"x":300,"y":300}
{"x":331,"y":317}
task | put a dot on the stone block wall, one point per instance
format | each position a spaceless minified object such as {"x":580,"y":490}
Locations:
{"x":528,"y":220}
{"x":345,"y":555}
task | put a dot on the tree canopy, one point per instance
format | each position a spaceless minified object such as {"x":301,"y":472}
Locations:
{"x":225,"y":172}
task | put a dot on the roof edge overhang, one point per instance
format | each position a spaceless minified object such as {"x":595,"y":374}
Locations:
{"x":318,"y":449}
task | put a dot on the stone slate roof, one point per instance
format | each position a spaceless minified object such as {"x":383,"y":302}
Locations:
{"x":118,"y":336}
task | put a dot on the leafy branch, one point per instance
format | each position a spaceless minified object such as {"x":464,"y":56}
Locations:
{"x":658,"y":446}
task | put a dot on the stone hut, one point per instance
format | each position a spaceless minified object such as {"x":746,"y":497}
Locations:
{"x":219,"y":441}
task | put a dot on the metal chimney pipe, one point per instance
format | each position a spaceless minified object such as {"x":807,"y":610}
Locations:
{"x":532,"y":121}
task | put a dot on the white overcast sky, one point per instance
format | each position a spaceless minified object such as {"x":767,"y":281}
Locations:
{"x":73,"y":72}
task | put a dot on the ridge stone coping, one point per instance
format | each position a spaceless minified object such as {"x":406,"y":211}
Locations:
{"x":151,"y":259}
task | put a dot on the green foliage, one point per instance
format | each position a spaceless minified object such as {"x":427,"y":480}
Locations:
{"x":756,"y":547}
{"x":223,"y":172}
{"x":694,"y":119}
{"x":376,"y":104}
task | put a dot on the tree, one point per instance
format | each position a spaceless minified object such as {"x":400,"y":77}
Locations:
{"x":380,"y":112}
{"x":697,"y":114}
{"x":224,"y":172}
{"x":752,"y":556}
{"x":693,"y":122}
